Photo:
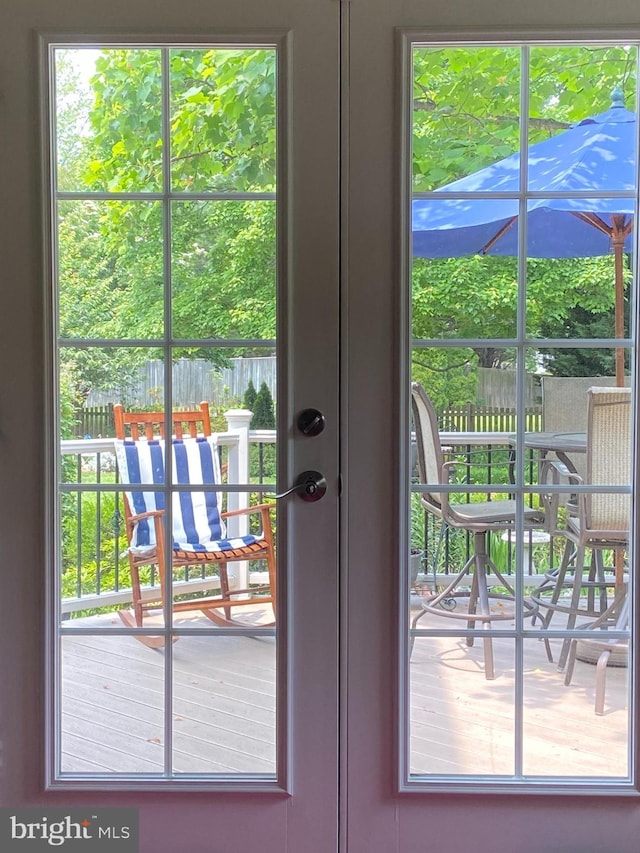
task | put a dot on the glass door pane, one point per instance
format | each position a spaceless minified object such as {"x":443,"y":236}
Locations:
{"x":168,"y":280}
{"x":522,"y":285}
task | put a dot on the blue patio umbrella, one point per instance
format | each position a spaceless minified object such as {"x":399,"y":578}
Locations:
{"x":597,"y":155}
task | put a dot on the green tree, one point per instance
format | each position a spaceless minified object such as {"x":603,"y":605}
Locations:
{"x":467,"y":101}
{"x":465,"y":117}
{"x":223,"y":125}
{"x":250,"y":395}
{"x":263,"y":413}
{"x":580,"y":323}
{"x":223,"y":258}
{"x":223,"y":252}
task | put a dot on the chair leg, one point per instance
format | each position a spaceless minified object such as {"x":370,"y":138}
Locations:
{"x":224,"y":589}
{"x":136,"y":619}
{"x":479,"y":597}
{"x":136,"y":591}
{"x":153,"y":642}
{"x":485,"y":610}
{"x":479,"y":602}
{"x":575,"y":605}
{"x":601,"y":675}
{"x":473,"y":601}
{"x":600,"y":578}
{"x":412,"y":638}
{"x":489,"y":670}
{"x":559,"y":582}
{"x":571,"y":662}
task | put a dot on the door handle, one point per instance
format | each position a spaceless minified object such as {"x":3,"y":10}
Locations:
{"x":310,"y":486}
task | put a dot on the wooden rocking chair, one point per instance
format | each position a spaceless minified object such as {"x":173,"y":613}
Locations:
{"x":199,"y":532}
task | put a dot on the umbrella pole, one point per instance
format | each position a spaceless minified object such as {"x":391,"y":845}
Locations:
{"x":618,"y":251}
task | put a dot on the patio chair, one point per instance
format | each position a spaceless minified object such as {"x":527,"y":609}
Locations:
{"x":606,"y":651}
{"x":198,"y":526}
{"x":478,"y":518}
{"x":150,"y":425}
{"x":598,"y":522}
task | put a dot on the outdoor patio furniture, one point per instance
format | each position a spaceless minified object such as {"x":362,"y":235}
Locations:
{"x":198,"y":526}
{"x":598,"y":522}
{"x":150,"y":425}
{"x":608,"y":650}
{"x":478,"y":518}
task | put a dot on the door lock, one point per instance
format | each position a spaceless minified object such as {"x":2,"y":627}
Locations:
{"x":311,"y":422}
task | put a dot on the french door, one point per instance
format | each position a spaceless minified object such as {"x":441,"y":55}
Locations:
{"x":253,"y":73}
{"x":296,"y":731}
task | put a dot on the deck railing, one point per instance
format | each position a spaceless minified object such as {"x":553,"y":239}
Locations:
{"x":98,"y":537}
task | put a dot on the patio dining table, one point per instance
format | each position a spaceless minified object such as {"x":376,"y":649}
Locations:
{"x":560,"y":443}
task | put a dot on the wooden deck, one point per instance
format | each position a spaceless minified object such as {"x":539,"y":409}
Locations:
{"x":224,"y":709}
{"x":463,"y":724}
{"x":223,"y":705}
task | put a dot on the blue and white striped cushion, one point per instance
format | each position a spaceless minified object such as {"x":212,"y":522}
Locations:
{"x":197,"y":526}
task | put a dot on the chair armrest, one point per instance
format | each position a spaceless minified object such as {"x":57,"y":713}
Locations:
{"x":551,"y":470}
{"x":559,"y":469}
{"x":154,"y":513}
{"x":265,"y":513}
{"x":157,"y":515}
{"x":450,"y":465}
{"x":246,"y":510}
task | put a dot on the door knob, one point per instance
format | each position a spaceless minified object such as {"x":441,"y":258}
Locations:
{"x":310,"y":486}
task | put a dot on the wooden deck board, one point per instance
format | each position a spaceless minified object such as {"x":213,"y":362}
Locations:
{"x":462,"y":723}
{"x":223,"y":705}
{"x":224,"y":709}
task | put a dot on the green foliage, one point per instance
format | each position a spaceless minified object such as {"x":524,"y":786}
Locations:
{"x":263,"y":414}
{"x":466,"y":116}
{"x":580,"y":323}
{"x":89,"y":525}
{"x":448,"y":375}
{"x":68,"y":401}
{"x":501,"y":552}
{"x":109,"y":137}
{"x":467,"y":101}
{"x":224,"y":270}
{"x":262,"y":463}
{"x":223,"y":127}
{"x":112,"y":261}
{"x":74,"y":99}
{"x":454,"y":298}
{"x":417,"y":522}
{"x":250,"y":395}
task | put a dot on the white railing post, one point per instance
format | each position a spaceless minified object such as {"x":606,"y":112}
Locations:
{"x":238,"y":421}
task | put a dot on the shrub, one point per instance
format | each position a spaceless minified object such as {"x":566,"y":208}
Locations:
{"x":263,"y":413}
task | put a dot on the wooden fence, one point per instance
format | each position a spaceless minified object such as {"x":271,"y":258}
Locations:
{"x":97,"y":421}
{"x":472,"y":418}
{"x":193,"y":380}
